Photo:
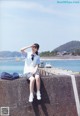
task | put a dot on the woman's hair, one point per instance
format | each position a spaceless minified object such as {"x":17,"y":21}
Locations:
{"x":36,"y":46}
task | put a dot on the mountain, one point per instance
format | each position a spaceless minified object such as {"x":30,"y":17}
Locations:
{"x":69,"y":47}
{"x":72,"y":47}
{"x":10,"y":54}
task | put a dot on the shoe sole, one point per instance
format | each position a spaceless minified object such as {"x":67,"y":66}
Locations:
{"x":38,"y":98}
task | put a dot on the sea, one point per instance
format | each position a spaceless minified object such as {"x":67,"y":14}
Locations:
{"x":11,"y":66}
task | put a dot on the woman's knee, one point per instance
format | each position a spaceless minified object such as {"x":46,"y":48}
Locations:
{"x":32,"y":79}
{"x":37,"y":77}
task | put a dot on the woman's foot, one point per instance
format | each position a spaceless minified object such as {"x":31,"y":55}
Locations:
{"x":38,"y":95}
{"x":31,"y":97}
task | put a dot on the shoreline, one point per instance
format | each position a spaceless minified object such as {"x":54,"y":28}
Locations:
{"x":61,"y":58}
{"x":66,"y":57}
{"x":57,"y":59}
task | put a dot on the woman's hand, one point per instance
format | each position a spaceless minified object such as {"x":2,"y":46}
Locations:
{"x":22,"y":49}
{"x":32,"y":45}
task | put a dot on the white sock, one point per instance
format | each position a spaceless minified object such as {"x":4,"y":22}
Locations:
{"x":31,"y":94}
{"x":38,"y":91}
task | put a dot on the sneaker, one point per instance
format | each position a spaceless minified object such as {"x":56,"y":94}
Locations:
{"x":38,"y":95}
{"x":31,"y":98}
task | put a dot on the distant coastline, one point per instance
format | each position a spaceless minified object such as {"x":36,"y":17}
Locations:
{"x":66,"y":57}
{"x":69,"y":50}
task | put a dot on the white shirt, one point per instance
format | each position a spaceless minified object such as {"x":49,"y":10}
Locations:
{"x":29,"y":63}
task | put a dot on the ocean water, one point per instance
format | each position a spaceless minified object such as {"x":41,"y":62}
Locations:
{"x":14,"y":66}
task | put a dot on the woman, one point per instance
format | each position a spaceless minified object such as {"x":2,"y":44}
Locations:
{"x":32,"y":62}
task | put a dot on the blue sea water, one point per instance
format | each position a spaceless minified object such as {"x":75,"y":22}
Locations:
{"x":14,"y":66}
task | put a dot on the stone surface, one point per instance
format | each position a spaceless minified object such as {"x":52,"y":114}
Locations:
{"x":57,"y":97}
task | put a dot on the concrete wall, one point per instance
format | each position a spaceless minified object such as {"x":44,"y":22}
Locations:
{"x":57,"y":97}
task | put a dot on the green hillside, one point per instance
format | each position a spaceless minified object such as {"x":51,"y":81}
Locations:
{"x":69,"y":47}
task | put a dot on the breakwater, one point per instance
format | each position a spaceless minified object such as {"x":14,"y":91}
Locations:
{"x":58,"y":98}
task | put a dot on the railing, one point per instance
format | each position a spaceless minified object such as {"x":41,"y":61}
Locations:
{"x":44,"y":72}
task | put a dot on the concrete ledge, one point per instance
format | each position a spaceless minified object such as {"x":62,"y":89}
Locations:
{"x":57,"y":97}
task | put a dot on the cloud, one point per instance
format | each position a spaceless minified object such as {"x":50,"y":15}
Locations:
{"x":34,"y":6}
{"x":25,"y":5}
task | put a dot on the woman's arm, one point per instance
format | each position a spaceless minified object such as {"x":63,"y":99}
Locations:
{"x":23,"y":49}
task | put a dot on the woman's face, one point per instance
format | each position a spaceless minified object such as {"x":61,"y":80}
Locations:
{"x":34,"y":49}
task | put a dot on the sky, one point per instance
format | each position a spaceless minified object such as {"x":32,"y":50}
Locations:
{"x":47,"y":22}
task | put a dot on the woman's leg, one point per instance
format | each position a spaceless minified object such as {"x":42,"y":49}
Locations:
{"x":38,"y":86}
{"x":37,"y":82}
{"x":32,"y":80}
